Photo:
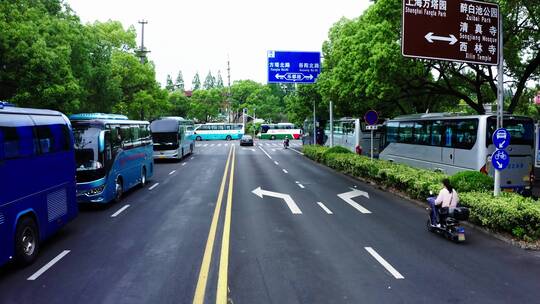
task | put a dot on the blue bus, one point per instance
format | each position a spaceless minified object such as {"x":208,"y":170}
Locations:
{"x":37,"y":191}
{"x":172,"y":137}
{"x":113,"y":155}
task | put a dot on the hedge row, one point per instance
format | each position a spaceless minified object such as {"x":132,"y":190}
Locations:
{"x":510,"y":213}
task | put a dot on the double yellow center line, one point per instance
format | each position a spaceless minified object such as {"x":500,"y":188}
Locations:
{"x":221,"y":295}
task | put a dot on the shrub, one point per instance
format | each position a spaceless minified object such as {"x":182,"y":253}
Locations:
{"x":314,"y":152}
{"x":471,"y":181}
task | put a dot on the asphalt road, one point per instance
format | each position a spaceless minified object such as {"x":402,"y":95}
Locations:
{"x":201,"y":232}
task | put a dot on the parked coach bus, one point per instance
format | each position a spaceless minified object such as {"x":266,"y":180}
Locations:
{"x":172,"y":137}
{"x":451,"y":143}
{"x":37,"y":188}
{"x":352,"y":134}
{"x":279,"y":131}
{"x":113,"y":155}
{"x":220,"y":131}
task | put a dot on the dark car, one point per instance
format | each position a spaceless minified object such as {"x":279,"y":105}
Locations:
{"x":246,"y":140}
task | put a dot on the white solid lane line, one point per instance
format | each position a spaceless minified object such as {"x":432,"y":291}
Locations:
{"x":325,"y":208}
{"x":265,"y":153}
{"x":285,"y":171}
{"x":297,"y":151}
{"x":385,"y":264}
{"x":48,"y":265}
{"x":120,"y":211}
{"x":172,"y":172}
{"x":153,"y":186}
{"x":275,"y":162}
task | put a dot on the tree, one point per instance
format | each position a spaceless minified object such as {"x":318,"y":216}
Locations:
{"x":219,"y":81}
{"x":179,"y":104}
{"x":179,"y":84}
{"x":209,"y":81}
{"x":204,"y":105}
{"x":196,"y":83}
{"x":363,"y":62}
{"x":170,"y":85}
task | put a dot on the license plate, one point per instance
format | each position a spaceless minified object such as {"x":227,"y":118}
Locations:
{"x":508,"y":190}
{"x":461,"y":237}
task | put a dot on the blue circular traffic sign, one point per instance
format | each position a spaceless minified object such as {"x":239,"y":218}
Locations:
{"x":500,"y":160}
{"x":371,"y":117}
{"x":501,"y":138}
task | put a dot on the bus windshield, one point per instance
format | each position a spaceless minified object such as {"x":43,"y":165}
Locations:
{"x":88,"y":158}
{"x":165,"y":141}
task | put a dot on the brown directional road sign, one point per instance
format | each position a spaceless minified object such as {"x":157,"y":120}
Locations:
{"x":454,"y":30}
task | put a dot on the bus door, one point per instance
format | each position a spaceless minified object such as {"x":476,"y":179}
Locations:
{"x":448,"y":146}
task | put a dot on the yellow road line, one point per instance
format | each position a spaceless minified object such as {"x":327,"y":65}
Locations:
{"x":200,"y":290}
{"x":221,"y":296}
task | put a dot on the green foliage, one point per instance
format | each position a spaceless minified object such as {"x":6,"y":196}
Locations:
{"x":337,"y":150}
{"x":469,"y":181}
{"x":263,"y":100}
{"x":179,"y":83}
{"x":219,"y":81}
{"x":169,"y":85}
{"x":205,"y":104}
{"x":209,"y":81}
{"x":510,"y":213}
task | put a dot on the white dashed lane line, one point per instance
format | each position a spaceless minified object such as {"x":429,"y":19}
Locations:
{"x":38,"y":273}
{"x":172,"y":172}
{"x":384,"y":263}
{"x":153,"y":186}
{"x":285,"y":171}
{"x":120,"y":211}
{"x":328,"y":211}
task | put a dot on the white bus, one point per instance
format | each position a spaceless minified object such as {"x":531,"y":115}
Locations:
{"x":452,"y":143}
{"x":219,"y":131}
{"x":351,"y":133}
{"x":280,"y":130}
{"x":172,"y":137}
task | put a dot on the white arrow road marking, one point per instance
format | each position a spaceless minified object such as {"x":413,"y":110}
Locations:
{"x":48,"y":265}
{"x":430,"y":38}
{"x":385,"y":264}
{"x":348,"y":196}
{"x":328,"y":211}
{"x":287,"y":198}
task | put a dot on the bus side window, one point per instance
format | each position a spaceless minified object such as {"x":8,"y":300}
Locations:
{"x":449,"y":134}
{"x":436,"y":135}
{"x":108,"y":147}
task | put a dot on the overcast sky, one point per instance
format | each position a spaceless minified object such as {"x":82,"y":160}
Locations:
{"x":199,"y":35}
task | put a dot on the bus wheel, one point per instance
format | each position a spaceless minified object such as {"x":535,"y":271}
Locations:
{"x":119,"y":190}
{"x":228,"y":137}
{"x":272,"y":137}
{"x":143,"y":177}
{"x":198,"y":138}
{"x":26,"y":241}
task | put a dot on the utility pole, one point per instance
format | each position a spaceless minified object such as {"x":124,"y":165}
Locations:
{"x":229,"y":89}
{"x":141,"y":53}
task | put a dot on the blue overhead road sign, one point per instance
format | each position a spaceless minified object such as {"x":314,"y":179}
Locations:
{"x":293,"y":67}
{"x":501,"y":138}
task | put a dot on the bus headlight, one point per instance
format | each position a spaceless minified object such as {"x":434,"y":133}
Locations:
{"x":95,"y":191}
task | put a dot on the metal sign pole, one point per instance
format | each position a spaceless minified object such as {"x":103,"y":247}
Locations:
{"x":371,"y":144}
{"x":314,"y":125}
{"x":500,"y":102}
{"x":331,"y":125}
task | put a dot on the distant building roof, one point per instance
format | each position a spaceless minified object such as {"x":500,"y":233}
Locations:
{"x":188,"y":93}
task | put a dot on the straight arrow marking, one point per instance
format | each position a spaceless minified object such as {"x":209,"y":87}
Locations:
{"x":348,"y":196}
{"x":287,"y":198}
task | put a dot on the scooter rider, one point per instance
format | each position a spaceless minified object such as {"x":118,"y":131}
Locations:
{"x":286,"y":142}
{"x":447,"y":198}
